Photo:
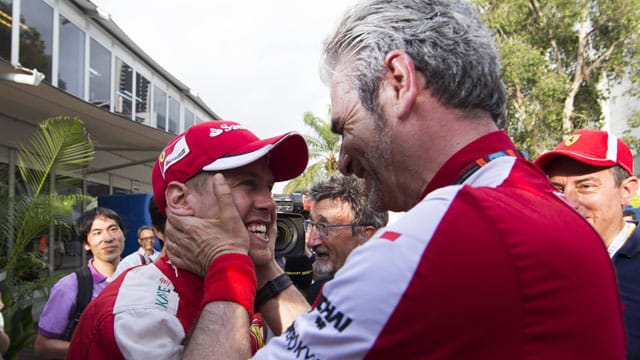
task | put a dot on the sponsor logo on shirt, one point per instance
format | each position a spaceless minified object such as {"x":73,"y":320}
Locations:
{"x":162,"y":293}
{"x":297,"y":346}
{"x":329,"y":314}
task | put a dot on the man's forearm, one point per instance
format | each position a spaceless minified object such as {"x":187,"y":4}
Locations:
{"x":220,"y":333}
{"x":49,"y":348}
{"x":283,"y":309}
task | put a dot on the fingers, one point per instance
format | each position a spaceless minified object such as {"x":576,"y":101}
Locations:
{"x":226,"y":208}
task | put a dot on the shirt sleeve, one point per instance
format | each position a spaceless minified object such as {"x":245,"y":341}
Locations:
{"x":148,"y":334}
{"x":129,"y":261}
{"x":62,"y":301}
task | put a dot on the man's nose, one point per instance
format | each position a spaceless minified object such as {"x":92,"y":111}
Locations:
{"x":313,"y":239}
{"x":264,"y":200}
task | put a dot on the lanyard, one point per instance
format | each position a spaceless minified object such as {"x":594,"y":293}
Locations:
{"x":476,"y":165}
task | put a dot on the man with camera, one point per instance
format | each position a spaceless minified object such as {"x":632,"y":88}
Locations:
{"x":340,"y":220}
{"x":148,"y":311}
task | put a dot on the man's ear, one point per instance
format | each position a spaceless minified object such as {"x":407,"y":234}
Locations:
{"x":367,"y":233}
{"x":629,"y":189}
{"x":177,"y":197}
{"x":402,"y":82}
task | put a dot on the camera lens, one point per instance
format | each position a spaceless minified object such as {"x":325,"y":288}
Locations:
{"x":290,"y":238}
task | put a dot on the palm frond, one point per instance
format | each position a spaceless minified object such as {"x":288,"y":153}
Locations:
{"x":60,"y":147}
{"x":60,"y":142}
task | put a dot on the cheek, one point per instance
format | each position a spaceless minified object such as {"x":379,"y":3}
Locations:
{"x":242,"y":202}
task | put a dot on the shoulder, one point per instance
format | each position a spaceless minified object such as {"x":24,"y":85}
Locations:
{"x":68,"y":285}
{"x":147,"y":287}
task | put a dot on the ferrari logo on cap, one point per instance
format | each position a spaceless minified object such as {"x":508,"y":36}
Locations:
{"x":571,"y":140}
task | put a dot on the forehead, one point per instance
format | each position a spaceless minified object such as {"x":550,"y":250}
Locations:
{"x":329,"y":208}
{"x":258,"y":169}
{"x":343,"y":93}
{"x":569,"y":168}
{"x":146,"y":232}
{"x":101,"y":222}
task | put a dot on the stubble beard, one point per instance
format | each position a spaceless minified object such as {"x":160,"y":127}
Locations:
{"x":380,"y":160}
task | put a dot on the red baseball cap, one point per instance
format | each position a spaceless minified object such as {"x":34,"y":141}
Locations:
{"x":225,"y":145}
{"x":592,"y":147}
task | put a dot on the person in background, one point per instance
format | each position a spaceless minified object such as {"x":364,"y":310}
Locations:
{"x":148,"y":311}
{"x":594,"y":171}
{"x":488,"y":262}
{"x":102,"y":233}
{"x":629,"y":215}
{"x":146,"y":254}
{"x":340,"y":220}
{"x":158,"y":220}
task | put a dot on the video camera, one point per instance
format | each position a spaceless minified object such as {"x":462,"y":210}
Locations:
{"x":290,"y":224}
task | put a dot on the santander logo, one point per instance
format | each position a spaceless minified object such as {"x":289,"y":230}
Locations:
{"x":213,"y":132}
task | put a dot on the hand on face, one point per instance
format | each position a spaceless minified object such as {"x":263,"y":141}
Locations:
{"x":193,"y":243}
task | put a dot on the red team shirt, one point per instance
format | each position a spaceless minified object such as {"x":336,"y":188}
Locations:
{"x":500,"y":267}
{"x":146,"y":313}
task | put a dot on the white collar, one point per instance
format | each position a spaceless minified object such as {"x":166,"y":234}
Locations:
{"x":620,"y":239}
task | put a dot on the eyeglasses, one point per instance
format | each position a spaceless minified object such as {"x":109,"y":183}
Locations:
{"x":148,"y":238}
{"x":322,"y":228}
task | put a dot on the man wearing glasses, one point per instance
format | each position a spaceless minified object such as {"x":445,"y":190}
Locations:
{"x":146,"y":254}
{"x":339,"y":221}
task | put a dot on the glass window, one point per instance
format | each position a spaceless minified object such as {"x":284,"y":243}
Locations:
{"x":189,"y":118}
{"x":160,"y":107}
{"x":142,"y":99}
{"x":71,"y":64}
{"x":124,"y":89}
{"x":174,"y":115}
{"x":36,"y":36}
{"x":198,"y":119}
{"x":6,"y":9}
{"x":99,"y":75}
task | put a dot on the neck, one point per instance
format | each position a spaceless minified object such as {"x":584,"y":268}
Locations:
{"x":609,"y":234}
{"x":447,"y":133}
{"x":105,"y":268}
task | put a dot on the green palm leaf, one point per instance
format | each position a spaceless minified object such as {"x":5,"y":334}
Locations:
{"x":324,"y":147}
{"x":60,"y":146}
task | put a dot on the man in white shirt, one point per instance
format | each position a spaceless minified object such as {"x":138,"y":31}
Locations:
{"x":146,"y":254}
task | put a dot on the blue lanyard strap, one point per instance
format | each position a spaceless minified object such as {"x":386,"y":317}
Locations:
{"x":476,"y":165}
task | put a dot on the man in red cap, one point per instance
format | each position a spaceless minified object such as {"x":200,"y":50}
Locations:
{"x":594,"y":170}
{"x":148,"y":311}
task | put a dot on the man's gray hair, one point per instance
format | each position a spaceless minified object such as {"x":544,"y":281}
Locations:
{"x":351,"y":190}
{"x":445,"y":39}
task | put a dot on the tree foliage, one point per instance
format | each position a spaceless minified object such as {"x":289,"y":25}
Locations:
{"x":324,"y":147}
{"x":559,"y":59}
{"x":59,"y":150}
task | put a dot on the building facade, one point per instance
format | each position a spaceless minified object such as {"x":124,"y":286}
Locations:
{"x":130,"y":105}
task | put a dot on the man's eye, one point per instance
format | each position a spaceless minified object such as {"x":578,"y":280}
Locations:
{"x":587,"y":187}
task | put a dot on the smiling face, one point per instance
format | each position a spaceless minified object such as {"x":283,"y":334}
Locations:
{"x":251,"y":191}
{"x":593,"y":192}
{"x":366,"y":149}
{"x":146,"y":240}
{"x":105,"y":240}
{"x":333,"y":249}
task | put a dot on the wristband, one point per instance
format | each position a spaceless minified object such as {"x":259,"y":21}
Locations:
{"x":231,"y":278}
{"x":271,"y":289}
